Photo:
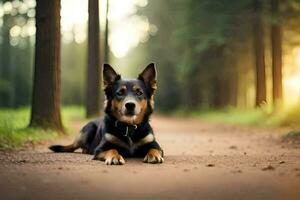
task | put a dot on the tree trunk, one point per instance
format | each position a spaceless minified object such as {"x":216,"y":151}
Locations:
{"x":45,"y":112}
{"x":259,"y":48}
{"x":106,"y":46}
{"x":93,"y":69}
{"x":5,"y":65}
{"x":276,"y":39}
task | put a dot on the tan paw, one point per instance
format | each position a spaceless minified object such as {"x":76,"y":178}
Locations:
{"x":112,"y":157}
{"x":154,"y":156}
{"x":115,"y":160}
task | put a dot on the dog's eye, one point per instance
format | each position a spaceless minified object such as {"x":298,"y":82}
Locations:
{"x":121,"y":92}
{"x":139,"y":93}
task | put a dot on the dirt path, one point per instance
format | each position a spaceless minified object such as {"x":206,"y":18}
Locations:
{"x":203,"y":161}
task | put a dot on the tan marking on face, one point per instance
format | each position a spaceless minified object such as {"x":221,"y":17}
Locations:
{"x":123,"y":87}
{"x":115,"y":140}
{"x":116,"y":108}
{"x":111,"y":157}
{"x":149,"y":138}
{"x":140,"y":116}
{"x":136,"y":88}
{"x":154,"y":156}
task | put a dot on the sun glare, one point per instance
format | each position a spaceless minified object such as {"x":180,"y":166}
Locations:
{"x":74,"y":17}
{"x":291,"y":81}
{"x":23,"y":27}
{"x":126,"y":28}
{"x":127,"y":35}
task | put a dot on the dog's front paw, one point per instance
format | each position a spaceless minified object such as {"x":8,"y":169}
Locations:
{"x":112,"y":157}
{"x":154,"y":156}
{"x":115,"y":160}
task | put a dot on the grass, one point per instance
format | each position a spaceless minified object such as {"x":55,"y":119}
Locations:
{"x":292,"y":137}
{"x":293,"y":134}
{"x":15,"y":134}
{"x":263,"y":117}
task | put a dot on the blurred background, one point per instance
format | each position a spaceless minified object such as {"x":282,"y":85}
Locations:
{"x":221,"y":60}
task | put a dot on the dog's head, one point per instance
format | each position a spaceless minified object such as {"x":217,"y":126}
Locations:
{"x":129,"y":101}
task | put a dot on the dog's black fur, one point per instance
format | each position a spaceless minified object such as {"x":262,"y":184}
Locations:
{"x":125,"y":129}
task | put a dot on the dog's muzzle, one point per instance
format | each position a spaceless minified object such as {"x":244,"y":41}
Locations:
{"x":131,"y":108}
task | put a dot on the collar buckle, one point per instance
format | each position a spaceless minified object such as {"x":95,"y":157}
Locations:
{"x":127,"y":127}
{"x":126,"y":133}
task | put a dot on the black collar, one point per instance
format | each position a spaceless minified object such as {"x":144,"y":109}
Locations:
{"x":125,"y":129}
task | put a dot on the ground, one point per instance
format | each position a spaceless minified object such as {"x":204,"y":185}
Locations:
{"x":202,"y":161}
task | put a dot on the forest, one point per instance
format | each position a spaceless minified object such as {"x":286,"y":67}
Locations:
{"x":210,"y":55}
{"x":222,"y":76}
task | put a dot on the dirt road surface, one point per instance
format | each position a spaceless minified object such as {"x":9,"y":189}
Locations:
{"x":202,"y":161}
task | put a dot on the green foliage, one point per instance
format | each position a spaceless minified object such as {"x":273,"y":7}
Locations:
{"x":196,"y":59}
{"x":204,"y":51}
{"x":73,"y":65}
{"x":72,"y":113}
{"x":14,"y":132}
{"x":202,"y":48}
{"x":17,"y":59}
{"x":234,"y":116}
{"x":293,"y":135}
{"x":262,"y":117}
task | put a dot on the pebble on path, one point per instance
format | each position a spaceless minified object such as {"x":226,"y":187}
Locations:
{"x":233,"y":147}
{"x":269,"y":167}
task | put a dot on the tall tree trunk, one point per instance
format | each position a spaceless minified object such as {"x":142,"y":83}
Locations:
{"x":93,"y":69}
{"x":276,"y":39}
{"x":45,"y":112}
{"x":259,"y":48}
{"x":5,"y":65}
{"x":106,"y":46}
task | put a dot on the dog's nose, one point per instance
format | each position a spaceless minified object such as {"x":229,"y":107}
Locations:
{"x":130,"y":106}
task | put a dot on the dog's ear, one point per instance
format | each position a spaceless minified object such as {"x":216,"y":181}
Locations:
{"x":109,"y":75}
{"x":148,"y":76}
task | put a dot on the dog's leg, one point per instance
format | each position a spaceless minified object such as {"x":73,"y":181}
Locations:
{"x":110,"y":157}
{"x":86,"y":134}
{"x":67,"y":148}
{"x":154,"y":156}
{"x":152,"y":152}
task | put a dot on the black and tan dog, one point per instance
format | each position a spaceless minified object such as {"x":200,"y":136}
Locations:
{"x":125,"y":130}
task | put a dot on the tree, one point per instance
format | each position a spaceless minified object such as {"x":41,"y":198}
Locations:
{"x":206,"y":51}
{"x":106,"y":47}
{"x":6,"y":86}
{"x":45,"y":112}
{"x":276,"y":40}
{"x":259,"y":47}
{"x":93,"y":69}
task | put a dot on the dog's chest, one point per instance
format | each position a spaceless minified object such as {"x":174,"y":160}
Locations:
{"x":128,"y":143}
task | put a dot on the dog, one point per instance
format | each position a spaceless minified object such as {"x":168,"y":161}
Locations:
{"x":125,"y":130}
